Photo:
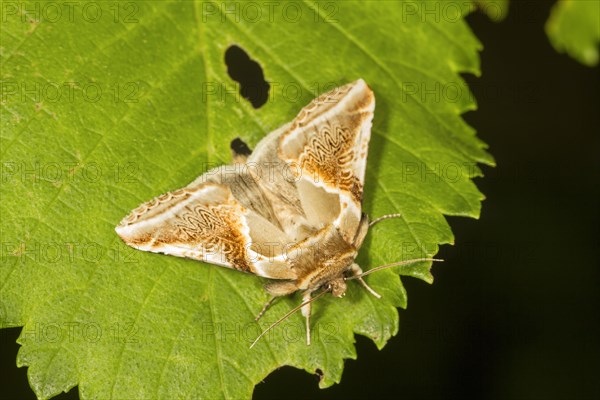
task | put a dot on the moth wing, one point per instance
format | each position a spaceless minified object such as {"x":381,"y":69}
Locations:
{"x":326,"y":148}
{"x":205,"y":221}
{"x":279,"y":187}
{"x":300,"y":178}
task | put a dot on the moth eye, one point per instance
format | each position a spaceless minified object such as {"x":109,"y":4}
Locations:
{"x":249,"y":74}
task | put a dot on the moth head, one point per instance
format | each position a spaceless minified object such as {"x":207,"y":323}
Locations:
{"x":338,"y":287}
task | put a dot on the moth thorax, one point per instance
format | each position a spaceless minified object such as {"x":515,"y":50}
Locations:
{"x":338,"y":287}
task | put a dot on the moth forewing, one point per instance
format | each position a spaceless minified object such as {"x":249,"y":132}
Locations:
{"x":300,"y":191}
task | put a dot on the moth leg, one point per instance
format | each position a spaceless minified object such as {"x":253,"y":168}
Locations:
{"x":277,"y":289}
{"x":356,"y":270}
{"x":306,"y":309}
{"x":265,"y":307}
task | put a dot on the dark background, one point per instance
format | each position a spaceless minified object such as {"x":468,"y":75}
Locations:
{"x":514,"y":311}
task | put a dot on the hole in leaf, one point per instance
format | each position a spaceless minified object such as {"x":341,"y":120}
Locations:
{"x":319,"y":374}
{"x":240,"y":147}
{"x":241,"y":68}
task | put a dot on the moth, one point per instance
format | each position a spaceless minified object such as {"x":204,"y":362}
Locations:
{"x":291,"y":210}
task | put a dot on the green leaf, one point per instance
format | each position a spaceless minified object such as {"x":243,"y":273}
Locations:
{"x":574,"y":27}
{"x":496,"y":10}
{"x":111,"y":104}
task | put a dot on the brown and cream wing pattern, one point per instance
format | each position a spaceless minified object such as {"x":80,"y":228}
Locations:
{"x":202,"y":221}
{"x":328,"y":144}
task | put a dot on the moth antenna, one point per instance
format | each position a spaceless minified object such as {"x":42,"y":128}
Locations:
{"x":396,"y":264}
{"x":280,"y":320}
{"x":384,"y":217}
